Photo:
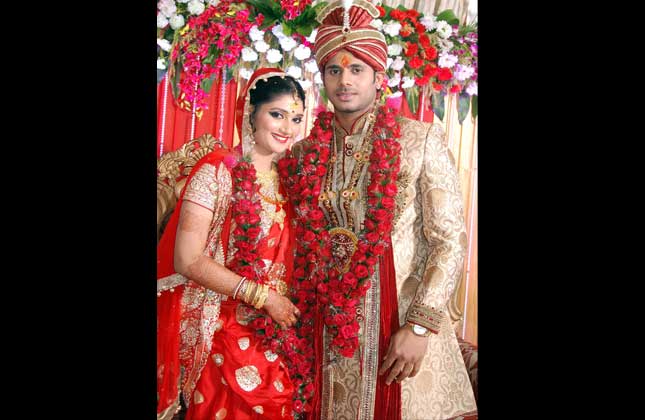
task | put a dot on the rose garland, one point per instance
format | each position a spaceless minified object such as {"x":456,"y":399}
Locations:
{"x":339,"y":294}
{"x":246,"y":262}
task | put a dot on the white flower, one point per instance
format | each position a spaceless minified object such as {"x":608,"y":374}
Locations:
{"x":273,"y":56}
{"x":248,"y":54}
{"x":183,"y":1}
{"x":408,"y":82}
{"x":444,"y":29}
{"x":213,"y":2}
{"x":377,"y":23}
{"x":302,"y":52}
{"x":388,"y":63}
{"x":395,"y":94}
{"x":287,"y":43}
{"x":397,"y":64}
{"x":255,"y":34}
{"x":306,"y":84}
{"x":177,"y":22}
{"x":311,"y":66}
{"x":277,"y":31}
{"x":392,"y":28}
{"x":261,"y":46}
{"x":429,"y":21}
{"x":195,"y":7}
{"x":246,"y":73}
{"x":463,"y":72}
{"x":471,"y":89}
{"x":167,"y":7}
{"x":161,"y":64}
{"x":312,"y":37}
{"x":447,"y":60}
{"x":294,"y":71}
{"x":394,"y":49}
{"x":318,"y":79}
{"x":395,"y":80}
{"x":162,"y":20}
{"x":445,"y":45}
{"x":164,"y":44}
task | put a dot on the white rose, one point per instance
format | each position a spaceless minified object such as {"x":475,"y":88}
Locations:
{"x":388,"y":63}
{"x":447,"y":60}
{"x":164,"y":44}
{"x":463,"y":72}
{"x":312,"y":36}
{"x":162,"y":20}
{"x":318,"y":79}
{"x":277,"y":31}
{"x":377,"y":23}
{"x":394,"y":49}
{"x":408,"y":82}
{"x":395,"y":80}
{"x":246,"y":73}
{"x":255,"y":34}
{"x":302,"y":52}
{"x":177,"y":22}
{"x":168,"y":8}
{"x":261,"y":46}
{"x":311,"y":66}
{"x":294,"y":72}
{"x":195,"y":7}
{"x":287,"y":43}
{"x":273,"y":56}
{"x":248,"y":54}
{"x":306,"y":84}
{"x":397,"y":64}
{"x":471,"y":89}
{"x":429,"y":21}
{"x":444,"y":29}
{"x":392,"y":29}
{"x":161,"y":64}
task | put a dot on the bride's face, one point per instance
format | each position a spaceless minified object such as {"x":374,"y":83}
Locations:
{"x":277,"y":124}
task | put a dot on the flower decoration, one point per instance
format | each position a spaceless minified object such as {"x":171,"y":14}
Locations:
{"x":427,"y":54}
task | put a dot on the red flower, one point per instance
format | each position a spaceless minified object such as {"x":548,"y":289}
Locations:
{"x":415,"y":62}
{"x":381,"y":11}
{"x":455,"y":89}
{"x":388,"y":202}
{"x":390,"y":190}
{"x":360,"y":271}
{"x":437,"y":86}
{"x":411,"y":49}
{"x":444,"y":74}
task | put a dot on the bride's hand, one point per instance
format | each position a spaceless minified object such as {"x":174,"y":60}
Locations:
{"x":281,"y":309}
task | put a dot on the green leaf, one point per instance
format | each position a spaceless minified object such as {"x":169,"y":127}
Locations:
{"x":304,"y":29}
{"x":438,"y":104}
{"x":175,"y":79}
{"x":474,"y":106}
{"x":412,"y":96}
{"x":287,"y":29}
{"x":323,"y":95}
{"x":208,"y":60}
{"x":463,"y":105}
{"x":449,"y":17}
{"x":207,"y":84}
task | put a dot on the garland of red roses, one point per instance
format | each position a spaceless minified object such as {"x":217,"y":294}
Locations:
{"x":314,"y":282}
{"x":246,"y":262}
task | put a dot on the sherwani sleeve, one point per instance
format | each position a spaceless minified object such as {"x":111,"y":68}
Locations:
{"x":443,"y":228}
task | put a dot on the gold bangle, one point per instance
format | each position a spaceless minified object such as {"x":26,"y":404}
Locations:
{"x":251,"y":291}
{"x":263,"y":295}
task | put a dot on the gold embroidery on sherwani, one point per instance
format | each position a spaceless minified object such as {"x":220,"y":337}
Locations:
{"x":258,"y":409}
{"x":218,"y":358}
{"x":221,"y":414}
{"x":248,"y":377}
{"x":271,"y":356}
{"x":429,"y":246}
{"x":278,"y":385}
{"x":244,"y":343}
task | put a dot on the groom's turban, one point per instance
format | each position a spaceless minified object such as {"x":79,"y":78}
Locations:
{"x":361,"y":39}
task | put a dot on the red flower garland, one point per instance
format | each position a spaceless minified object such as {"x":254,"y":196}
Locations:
{"x":340,"y":294}
{"x":246,"y":262}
